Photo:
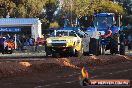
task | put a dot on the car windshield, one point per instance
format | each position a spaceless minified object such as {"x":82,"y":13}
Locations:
{"x":59,"y":34}
{"x":103,"y":22}
{"x":63,"y":33}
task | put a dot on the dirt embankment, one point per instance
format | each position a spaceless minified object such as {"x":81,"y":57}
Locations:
{"x":8,"y":69}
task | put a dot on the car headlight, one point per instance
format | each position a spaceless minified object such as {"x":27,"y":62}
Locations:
{"x":49,"y":41}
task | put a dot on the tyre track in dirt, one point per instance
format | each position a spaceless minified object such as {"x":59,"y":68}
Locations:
{"x":108,"y":75}
{"x":63,"y":71}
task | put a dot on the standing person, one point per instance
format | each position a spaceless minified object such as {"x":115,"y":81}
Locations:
{"x":8,"y":37}
{"x":108,"y":33}
{"x":22,"y":40}
{"x":1,"y":43}
{"x":18,"y":42}
{"x":31,"y":41}
{"x":5,"y":44}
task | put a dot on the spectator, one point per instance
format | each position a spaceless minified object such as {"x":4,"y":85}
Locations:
{"x":8,"y":37}
{"x":22,"y":40}
{"x":31,"y":41}
{"x":5,"y":44}
{"x":18,"y":42}
{"x":1,"y":43}
{"x":27,"y":42}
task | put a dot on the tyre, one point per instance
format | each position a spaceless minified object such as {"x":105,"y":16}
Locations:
{"x":48,"y":51}
{"x":79,"y":53}
{"x":86,"y":53}
{"x":112,"y":52}
{"x":122,"y":43}
{"x":102,"y":50}
{"x":3,"y":52}
{"x":95,"y":47}
{"x":122,"y":48}
{"x":56,"y":55}
{"x":72,"y":51}
{"x":114,"y":45}
{"x":10,"y":52}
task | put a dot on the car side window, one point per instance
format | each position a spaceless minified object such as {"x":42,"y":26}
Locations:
{"x":86,"y":35}
{"x":72,"y":34}
{"x":75,"y":35}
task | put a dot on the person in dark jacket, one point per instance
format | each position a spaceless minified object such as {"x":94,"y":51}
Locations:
{"x":1,"y":43}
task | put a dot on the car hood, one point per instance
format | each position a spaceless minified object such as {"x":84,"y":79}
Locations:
{"x":61,"y":38}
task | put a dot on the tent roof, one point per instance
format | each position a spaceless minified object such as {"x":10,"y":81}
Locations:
{"x":18,"y":21}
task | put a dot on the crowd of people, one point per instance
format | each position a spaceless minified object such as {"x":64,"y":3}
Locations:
{"x":19,"y":41}
{"x":23,"y":40}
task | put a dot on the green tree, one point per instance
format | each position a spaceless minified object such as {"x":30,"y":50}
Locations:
{"x":6,"y":6}
{"x":47,"y":15}
{"x":54,"y":25}
{"x":87,"y":7}
{"x":43,"y":9}
{"x":27,"y":8}
{"x":50,"y":8}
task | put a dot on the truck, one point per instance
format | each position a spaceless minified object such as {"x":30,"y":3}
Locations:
{"x":97,"y":28}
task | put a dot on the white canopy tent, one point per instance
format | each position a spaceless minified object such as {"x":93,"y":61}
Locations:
{"x":35,"y":24}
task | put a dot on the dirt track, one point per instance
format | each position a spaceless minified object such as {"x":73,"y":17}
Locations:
{"x":50,"y":68}
{"x":11,"y":67}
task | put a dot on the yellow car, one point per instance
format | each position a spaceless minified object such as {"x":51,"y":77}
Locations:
{"x":64,"y":42}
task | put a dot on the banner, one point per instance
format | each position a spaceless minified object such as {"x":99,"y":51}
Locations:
{"x":10,"y":29}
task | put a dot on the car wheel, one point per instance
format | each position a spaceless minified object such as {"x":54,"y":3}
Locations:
{"x":72,"y":51}
{"x":48,"y":51}
{"x":122,"y":48}
{"x":114,"y":46}
{"x":102,"y":50}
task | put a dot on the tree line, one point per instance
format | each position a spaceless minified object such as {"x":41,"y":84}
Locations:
{"x":52,"y":12}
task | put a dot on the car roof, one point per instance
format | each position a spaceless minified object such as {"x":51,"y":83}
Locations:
{"x":64,"y":31}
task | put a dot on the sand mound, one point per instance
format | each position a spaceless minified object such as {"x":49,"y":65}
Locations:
{"x":8,"y":69}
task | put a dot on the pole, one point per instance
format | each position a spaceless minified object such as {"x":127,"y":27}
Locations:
{"x":15,"y":42}
{"x":119,"y":20}
{"x":119,"y":24}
